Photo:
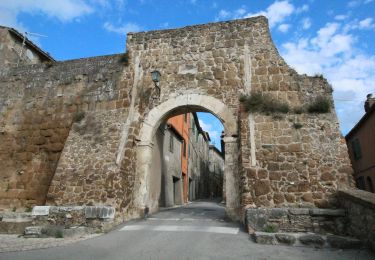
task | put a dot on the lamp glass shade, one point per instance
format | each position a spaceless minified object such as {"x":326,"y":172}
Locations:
{"x":155,"y":75}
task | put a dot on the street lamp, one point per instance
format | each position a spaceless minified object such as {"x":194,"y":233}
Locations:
{"x":155,"y":75}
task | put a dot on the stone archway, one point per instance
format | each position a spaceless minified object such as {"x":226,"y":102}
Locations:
{"x":191,"y":102}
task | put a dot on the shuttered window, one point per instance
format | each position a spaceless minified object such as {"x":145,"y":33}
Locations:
{"x":356,"y":149}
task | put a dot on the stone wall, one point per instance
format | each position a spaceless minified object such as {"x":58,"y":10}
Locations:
{"x":360,"y":210}
{"x":73,"y":128}
{"x":39,"y":104}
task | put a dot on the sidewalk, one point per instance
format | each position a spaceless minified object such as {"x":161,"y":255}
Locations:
{"x":13,"y":243}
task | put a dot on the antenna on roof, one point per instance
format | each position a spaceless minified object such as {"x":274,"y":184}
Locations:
{"x":24,"y":43}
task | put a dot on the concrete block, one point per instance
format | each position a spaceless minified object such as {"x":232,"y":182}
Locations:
{"x":299,"y":211}
{"x":327,"y":212}
{"x":33,"y":231}
{"x":312,"y":240}
{"x":264,"y":238}
{"x":40,"y":211}
{"x":343,"y":242}
{"x":102,"y":212}
{"x":288,"y":239}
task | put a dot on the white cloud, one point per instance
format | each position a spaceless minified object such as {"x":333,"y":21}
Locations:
{"x":332,"y":53}
{"x":276,"y":12}
{"x":368,"y":1}
{"x":214,"y":134}
{"x":366,"y":23}
{"x":224,"y":14}
{"x":65,"y":11}
{"x":303,"y":8}
{"x":306,"y":23}
{"x":340,"y":17}
{"x":283,"y":27}
{"x":123,"y":29}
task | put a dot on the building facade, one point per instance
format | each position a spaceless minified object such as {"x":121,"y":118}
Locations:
{"x":181,"y":124}
{"x":216,"y":172}
{"x":198,"y":160}
{"x":361,"y":145}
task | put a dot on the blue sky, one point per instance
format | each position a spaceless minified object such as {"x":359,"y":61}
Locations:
{"x":334,"y":38}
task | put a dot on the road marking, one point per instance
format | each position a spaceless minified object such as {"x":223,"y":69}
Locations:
{"x":185,"y":219}
{"x":207,"y":229}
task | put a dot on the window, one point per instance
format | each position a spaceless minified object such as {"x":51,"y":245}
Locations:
{"x":171,"y":142}
{"x":360,"y":183}
{"x":356,"y":149}
{"x":185,"y":117}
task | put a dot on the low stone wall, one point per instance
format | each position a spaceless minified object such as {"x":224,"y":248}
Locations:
{"x":360,"y":208}
{"x":314,"y":220}
{"x":47,"y":220}
{"x":14,"y":222}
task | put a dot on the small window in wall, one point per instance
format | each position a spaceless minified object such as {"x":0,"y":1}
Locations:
{"x":361,"y":183}
{"x":185,"y":117}
{"x":171,"y":143}
{"x":356,"y":146}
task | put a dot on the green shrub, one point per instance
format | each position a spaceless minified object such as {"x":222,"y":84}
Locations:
{"x":271,"y":228}
{"x":263,"y":104}
{"x":125,"y":59}
{"x":297,"y":125}
{"x":28,"y":209}
{"x":78,"y":116}
{"x":59,"y":234}
{"x":298,"y":110}
{"x":320,"y":105}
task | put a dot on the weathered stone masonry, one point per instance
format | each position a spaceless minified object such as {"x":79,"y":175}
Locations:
{"x":98,"y":160}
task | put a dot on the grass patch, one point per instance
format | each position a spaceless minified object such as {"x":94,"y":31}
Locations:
{"x":59,"y":234}
{"x":263,"y":104}
{"x":14,"y":209}
{"x":124,"y":59}
{"x":271,"y":228}
{"x":28,"y":209}
{"x":319,"y":106}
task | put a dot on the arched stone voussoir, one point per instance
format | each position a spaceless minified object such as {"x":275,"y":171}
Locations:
{"x":194,"y":102}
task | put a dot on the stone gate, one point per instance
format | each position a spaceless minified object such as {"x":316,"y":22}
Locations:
{"x":80,"y":132}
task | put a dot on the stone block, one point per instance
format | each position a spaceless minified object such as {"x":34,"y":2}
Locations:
{"x":299,"y":211}
{"x":343,"y":242}
{"x":327,"y":212}
{"x":33,"y":231}
{"x":101,"y":212}
{"x":264,"y":238}
{"x":312,"y":240}
{"x":288,"y":239}
{"x":40,"y":211}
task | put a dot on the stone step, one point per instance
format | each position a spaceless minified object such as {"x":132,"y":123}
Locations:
{"x":14,"y":222}
{"x":307,"y":239}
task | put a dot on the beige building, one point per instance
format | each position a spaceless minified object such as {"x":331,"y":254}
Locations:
{"x":198,"y":160}
{"x":16,"y":49}
{"x":361,"y":144}
{"x":216,"y":172}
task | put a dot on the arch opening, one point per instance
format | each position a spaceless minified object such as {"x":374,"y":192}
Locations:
{"x":156,"y":135}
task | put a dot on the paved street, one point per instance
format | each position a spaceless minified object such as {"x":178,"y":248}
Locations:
{"x":196,"y":231}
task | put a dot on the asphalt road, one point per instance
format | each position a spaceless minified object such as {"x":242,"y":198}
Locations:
{"x":199,"y":230}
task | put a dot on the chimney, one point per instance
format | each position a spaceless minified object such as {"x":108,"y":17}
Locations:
{"x":369,"y":102}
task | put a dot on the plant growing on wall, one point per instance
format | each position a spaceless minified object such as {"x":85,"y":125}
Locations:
{"x":257,"y":102}
{"x":320,"y":105}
